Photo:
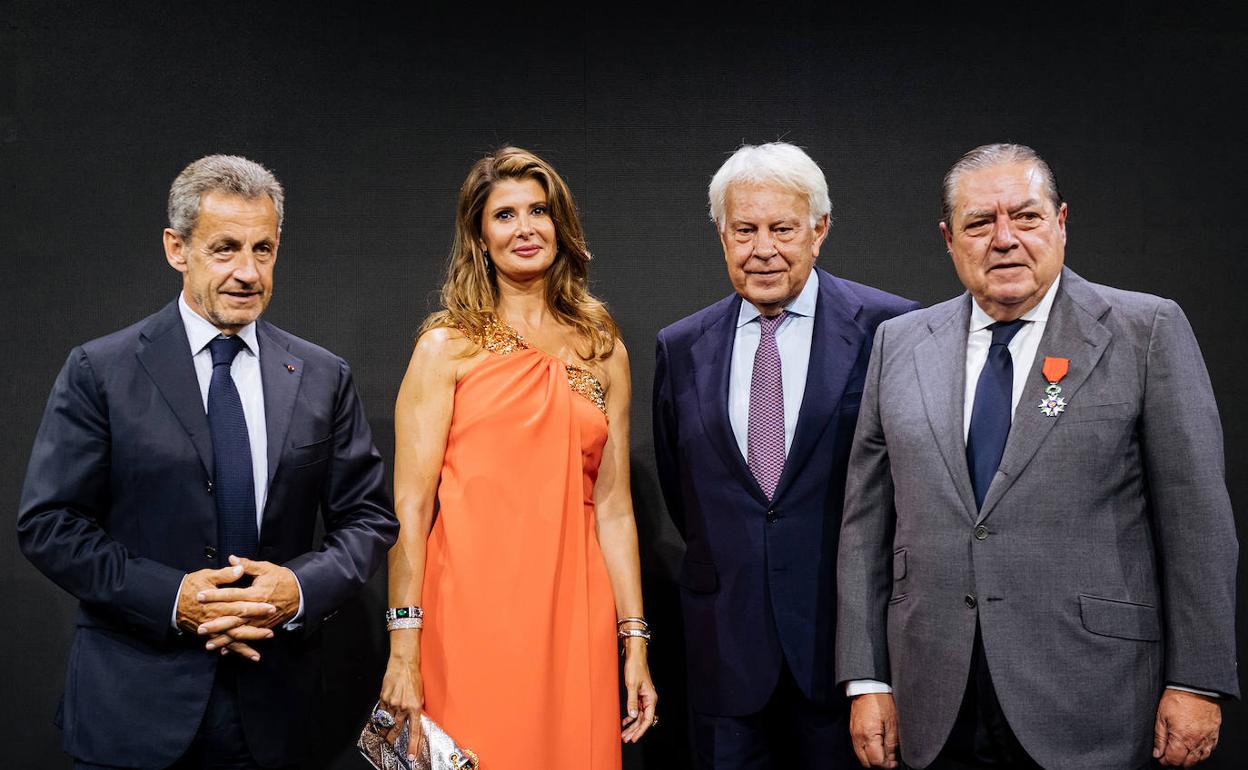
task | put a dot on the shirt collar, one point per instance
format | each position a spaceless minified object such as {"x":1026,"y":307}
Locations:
{"x":199,"y":332}
{"x":1040,"y":313}
{"x":803,"y":304}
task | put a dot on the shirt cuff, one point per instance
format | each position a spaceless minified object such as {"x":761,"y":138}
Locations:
{"x":1193,"y":690}
{"x":173,"y":616}
{"x":865,"y":687}
{"x":294,"y":623}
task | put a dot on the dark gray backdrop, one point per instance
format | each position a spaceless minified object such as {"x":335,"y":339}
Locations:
{"x":371,"y":114}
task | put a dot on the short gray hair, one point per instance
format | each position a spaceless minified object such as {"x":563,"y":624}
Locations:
{"x":230,"y":174}
{"x":777,"y":163}
{"x":992,"y":155}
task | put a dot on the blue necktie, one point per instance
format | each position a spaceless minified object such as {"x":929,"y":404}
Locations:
{"x":990,"y":415}
{"x":235,"y":489}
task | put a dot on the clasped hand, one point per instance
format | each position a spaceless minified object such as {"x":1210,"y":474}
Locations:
{"x":234,"y":617}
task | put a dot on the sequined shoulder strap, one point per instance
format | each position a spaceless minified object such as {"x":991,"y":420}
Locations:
{"x":497,"y":337}
{"x":584,"y":382}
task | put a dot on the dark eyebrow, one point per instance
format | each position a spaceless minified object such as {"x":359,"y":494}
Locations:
{"x":1027,"y":204}
{"x":977,"y":214}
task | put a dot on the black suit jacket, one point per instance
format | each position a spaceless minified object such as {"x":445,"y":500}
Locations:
{"x":117,"y":507}
{"x":758,"y":580}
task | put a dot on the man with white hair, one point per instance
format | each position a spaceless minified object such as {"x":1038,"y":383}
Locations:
{"x":755,"y":401}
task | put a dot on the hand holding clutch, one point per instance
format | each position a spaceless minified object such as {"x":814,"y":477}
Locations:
{"x":437,"y":750}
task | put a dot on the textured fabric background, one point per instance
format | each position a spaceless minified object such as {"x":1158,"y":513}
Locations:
{"x":371,"y":113}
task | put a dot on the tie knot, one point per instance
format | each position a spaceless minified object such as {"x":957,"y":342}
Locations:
{"x":1004,"y":331}
{"x":224,"y":349}
{"x":771,"y":322}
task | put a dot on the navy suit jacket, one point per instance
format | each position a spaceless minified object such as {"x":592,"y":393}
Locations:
{"x":117,"y":507}
{"x":758,"y":580}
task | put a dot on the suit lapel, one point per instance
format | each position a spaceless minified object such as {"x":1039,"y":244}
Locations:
{"x":1074,"y":331}
{"x":280,"y":373}
{"x":940,"y":361}
{"x":712,"y":365}
{"x":166,"y":357}
{"x":834,"y":344}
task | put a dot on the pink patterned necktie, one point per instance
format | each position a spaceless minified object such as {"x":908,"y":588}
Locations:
{"x":765,"y":433}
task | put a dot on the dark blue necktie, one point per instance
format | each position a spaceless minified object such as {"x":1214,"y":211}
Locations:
{"x":235,"y":489}
{"x":990,"y":415}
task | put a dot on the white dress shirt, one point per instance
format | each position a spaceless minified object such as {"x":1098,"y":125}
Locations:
{"x":793,"y":342}
{"x":1023,"y":348}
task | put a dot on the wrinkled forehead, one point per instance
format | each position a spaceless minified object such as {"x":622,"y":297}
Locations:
{"x":1000,"y":186}
{"x":221,"y":211}
{"x":768,"y":200}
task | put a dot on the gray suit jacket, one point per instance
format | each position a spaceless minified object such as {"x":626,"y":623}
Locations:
{"x":1102,"y":564}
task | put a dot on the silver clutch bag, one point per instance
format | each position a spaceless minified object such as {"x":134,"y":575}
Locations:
{"x":437,"y":750}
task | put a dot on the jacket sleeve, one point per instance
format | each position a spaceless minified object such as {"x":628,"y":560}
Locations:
{"x":864,"y":562}
{"x":1181,"y":436}
{"x":665,"y":437}
{"x":65,"y":498}
{"x":360,"y":525}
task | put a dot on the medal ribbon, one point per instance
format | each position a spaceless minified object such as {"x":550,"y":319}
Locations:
{"x":1055,"y":369}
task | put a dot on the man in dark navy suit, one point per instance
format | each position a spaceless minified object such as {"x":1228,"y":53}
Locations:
{"x":173,"y":489}
{"x":755,"y":402}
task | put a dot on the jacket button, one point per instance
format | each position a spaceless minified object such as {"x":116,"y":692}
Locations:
{"x":970,"y":601}
{"x":981,"y":532}
{"x":772,"y":517}
{"x":210,"y":553}
{"x":210,"y":486}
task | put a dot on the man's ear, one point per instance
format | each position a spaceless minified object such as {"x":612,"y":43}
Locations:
{"x":948,"y":236}
{"x":821,"y":232}
{"x":175,"y":250}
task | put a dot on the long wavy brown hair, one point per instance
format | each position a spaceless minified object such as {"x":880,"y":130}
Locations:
{"x":470,"y":293}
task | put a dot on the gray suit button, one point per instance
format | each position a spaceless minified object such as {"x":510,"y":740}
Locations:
{"x":981,"y":532}
{"x":772,"y":517}
{"x":970,"y":601}
{"x":210,"y":553}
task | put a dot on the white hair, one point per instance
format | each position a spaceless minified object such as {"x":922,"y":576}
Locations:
{"x":778,"y":163}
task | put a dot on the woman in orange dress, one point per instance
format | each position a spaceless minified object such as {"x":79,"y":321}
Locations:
{"x":512,"y":487}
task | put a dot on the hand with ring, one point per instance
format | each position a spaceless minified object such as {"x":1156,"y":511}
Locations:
{"x":383,"y":719}
{"x":642,"y":698}
{"x":402,"y":694}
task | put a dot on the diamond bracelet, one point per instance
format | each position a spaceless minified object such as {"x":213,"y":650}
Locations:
{"x":404,"y":617}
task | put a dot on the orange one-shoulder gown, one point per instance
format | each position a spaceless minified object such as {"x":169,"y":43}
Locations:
{"x":518,"y":651}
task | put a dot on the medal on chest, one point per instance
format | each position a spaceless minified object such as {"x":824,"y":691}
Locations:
{"x":1054,"y":370}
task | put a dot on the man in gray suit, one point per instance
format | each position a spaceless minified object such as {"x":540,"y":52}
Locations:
{"x":1037,"y":557}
